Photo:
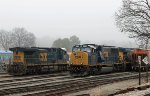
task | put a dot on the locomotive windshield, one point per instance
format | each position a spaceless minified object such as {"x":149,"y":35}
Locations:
{"x":86,"y":49}
{"x":75,"y":49}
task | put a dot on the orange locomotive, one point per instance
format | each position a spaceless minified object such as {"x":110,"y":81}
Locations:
{"x":134,"y":57}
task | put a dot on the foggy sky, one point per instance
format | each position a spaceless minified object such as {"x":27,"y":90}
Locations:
{"x":90,"y":20}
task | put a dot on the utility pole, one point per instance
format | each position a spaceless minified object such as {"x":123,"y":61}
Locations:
{"x":147,"y":73}
{"x":139,"y":61}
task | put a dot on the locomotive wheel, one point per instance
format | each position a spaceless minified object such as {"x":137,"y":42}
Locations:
{"x":85,"y":73}
{"x":115,"y":68}
{"x":22,"y":70}
{"x":18,"y":69}
{"x":76,"y":71}
{"x":93,"y":71}
{"x":98,"y":70}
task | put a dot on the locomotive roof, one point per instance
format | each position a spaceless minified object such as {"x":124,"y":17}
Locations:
{"x":51,"y":48}
{"x":139,"y":51}
{"x":26,"y":49}
{"x":34,"y":48}
{"x":102,"y":47}
{"x":46,"y":47}
{"x":95,"y":46}
{"x":88,"y":45}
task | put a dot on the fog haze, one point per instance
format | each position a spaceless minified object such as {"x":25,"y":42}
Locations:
{"x":91,"y":20}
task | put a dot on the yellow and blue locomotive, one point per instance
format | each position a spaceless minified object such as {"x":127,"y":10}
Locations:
{"x":37,"y":60}
{"x":94,"y":59}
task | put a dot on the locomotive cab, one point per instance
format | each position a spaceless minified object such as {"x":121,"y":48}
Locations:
{"x":86,"y":55}
{"x":85,"y":58}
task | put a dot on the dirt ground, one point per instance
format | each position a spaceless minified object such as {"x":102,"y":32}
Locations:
{"x":108,"y":89}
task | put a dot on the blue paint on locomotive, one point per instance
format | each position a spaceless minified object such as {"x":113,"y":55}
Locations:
{"x":56,"y":54}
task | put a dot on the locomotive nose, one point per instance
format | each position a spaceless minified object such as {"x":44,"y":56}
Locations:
{"x":78,"y":58}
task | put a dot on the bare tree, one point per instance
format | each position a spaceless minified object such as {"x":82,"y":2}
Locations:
{"x":30,"y":40}
{"x":134,"y":18}
{"x":5,"y":39}
{"x":23,"y":38}
{"x":19,"y":37}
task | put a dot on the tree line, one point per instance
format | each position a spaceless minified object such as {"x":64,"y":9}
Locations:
{"x":20,"y":37}
{"x":17,"y":37}
{"x":67,"y":43}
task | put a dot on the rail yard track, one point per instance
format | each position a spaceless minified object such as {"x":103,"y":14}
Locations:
{"x":5,"y":75}
{"x":59,"y":85}
{"x":9,"y":78}
{"x":38,"y":80}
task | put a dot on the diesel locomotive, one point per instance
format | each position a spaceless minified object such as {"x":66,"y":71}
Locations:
{"x":94,"y":59}
{"x":36,"y":60}
{"x":135,"y":62}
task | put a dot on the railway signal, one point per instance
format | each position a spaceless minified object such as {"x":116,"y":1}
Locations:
{"x":146,"y":61}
